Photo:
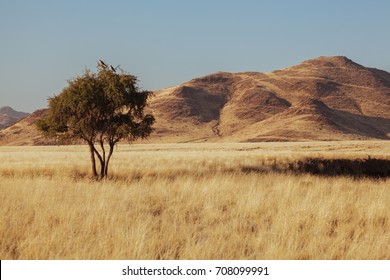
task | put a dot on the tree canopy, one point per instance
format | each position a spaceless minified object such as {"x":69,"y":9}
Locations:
{"x":101,"y":109}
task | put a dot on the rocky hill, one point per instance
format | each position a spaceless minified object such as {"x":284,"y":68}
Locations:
{"x":9,"y":116}
{"x":327,"y":98}
{"x":24,"y":132}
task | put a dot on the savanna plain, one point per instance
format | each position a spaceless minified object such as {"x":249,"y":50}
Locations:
{"x":192,"y":201}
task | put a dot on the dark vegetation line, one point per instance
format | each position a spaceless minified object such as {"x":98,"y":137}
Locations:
{"x":357,"y":168}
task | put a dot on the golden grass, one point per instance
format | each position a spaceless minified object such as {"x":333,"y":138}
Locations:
{"x":190,"y":201}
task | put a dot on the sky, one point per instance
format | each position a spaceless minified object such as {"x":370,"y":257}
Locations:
{"x":43,"y":44}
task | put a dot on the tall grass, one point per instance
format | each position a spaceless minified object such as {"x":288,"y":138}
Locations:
{"x":190,"y":201}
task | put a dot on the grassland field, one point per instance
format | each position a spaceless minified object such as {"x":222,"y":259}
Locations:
{"x":191,"y":201}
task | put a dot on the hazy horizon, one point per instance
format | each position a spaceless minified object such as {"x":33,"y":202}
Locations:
{"x":165,"y":43}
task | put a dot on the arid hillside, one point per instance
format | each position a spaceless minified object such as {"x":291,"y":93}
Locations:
{"x":9,"y":116}
{"x":24,"y":132}
{"x":327,"y":98}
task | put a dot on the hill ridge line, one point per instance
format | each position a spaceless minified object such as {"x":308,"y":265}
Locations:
{"x":312,"y":101}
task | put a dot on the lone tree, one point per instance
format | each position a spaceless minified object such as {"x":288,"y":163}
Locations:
{"x":101,"y":109}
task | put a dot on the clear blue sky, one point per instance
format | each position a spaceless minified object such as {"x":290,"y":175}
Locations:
{"x":164,"y":43}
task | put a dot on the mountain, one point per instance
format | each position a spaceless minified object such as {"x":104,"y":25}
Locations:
{"x":24,"y":132}
{"x":326,"y":98}
{"x":9,"y":116}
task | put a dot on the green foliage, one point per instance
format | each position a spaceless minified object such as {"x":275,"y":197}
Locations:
{"x":103,"y":107}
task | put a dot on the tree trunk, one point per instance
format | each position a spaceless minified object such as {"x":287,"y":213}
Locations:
{"x":108,"y":158}
{"x":93,"y":161}
{"x":102,"y":164}
{"x":103,"y":160}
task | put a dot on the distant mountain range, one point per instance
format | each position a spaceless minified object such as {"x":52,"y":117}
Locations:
{"x":9,"y":116}
{"x":326,"y":98}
